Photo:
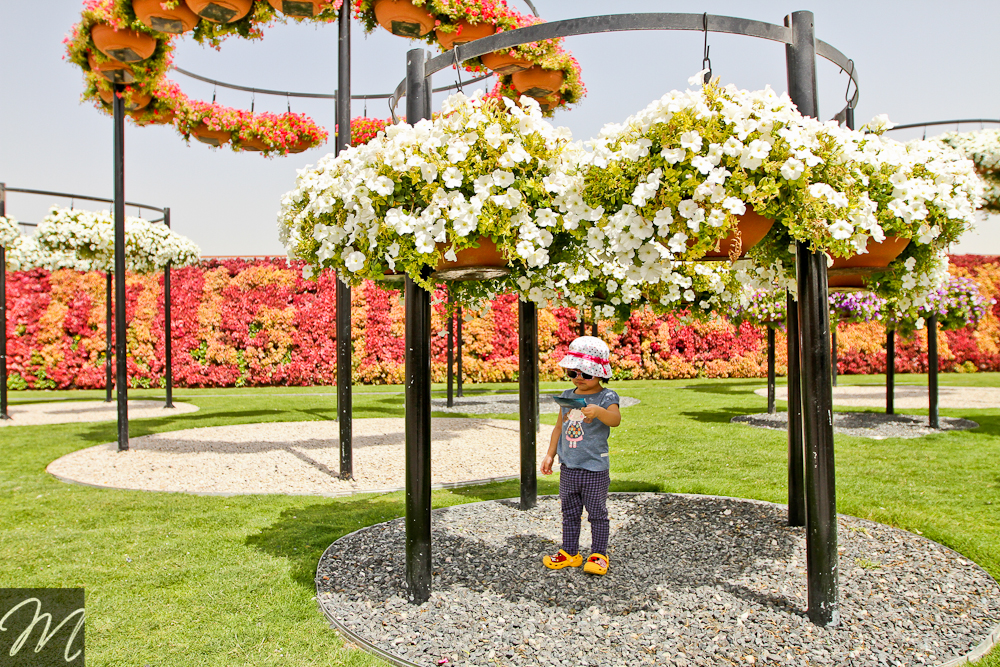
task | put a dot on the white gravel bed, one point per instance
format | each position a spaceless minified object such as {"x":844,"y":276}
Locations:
{"x":295,"y":457}
{"x":907,"y":396}
{"x":874,"y":425}
{"x":499,"y":404}
{"x":67,"y":412}
{"x":693,"y":580}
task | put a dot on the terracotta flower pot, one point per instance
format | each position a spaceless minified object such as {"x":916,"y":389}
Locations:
{"x":467,"y":32}
{"x":548,"y":103}
{"x":211,"y":137}
{"x":256,"y":144}
{"x":850,"y":271}
{"x":175,"y":21}
{"x":504,"y":63}
{"x":298,"y":8}
{"x":127,"y":46}
{"x":750,"y":230}
{"x":538,"y":82}
{"x":113,"y":70}
{"x":401,"y":18}
{"x":221,"y":11}
{"x":301,"y":146}
{"x":137,"y":102}
{"x":479,"y":263}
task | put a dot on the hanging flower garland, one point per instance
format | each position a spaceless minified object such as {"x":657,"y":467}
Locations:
{"x":9,"y":231}
{"x":957,"y":304}
{"x":84,"y":241}
{"x":983,"y":148}
{"x":415,"y":196}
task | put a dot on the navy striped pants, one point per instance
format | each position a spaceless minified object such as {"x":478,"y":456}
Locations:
{"x":580,"y":488}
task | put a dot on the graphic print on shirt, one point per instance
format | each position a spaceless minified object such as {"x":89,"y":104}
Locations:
{"x":574,"y":427}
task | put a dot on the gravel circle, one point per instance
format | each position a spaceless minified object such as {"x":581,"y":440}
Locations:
{"x":694,"y":580}
{"x":68,"y":412}
{"x":906,"y":396}
{"x":499,"y":404}
{"x":297,"y":457}
{"x":875,"y":425}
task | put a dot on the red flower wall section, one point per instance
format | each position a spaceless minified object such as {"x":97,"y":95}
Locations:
{"x":258,"y":323}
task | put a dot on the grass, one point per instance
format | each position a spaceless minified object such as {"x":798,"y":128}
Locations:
{"x":183,"y":580}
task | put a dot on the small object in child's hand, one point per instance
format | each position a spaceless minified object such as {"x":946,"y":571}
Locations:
{"x":570,"y":402}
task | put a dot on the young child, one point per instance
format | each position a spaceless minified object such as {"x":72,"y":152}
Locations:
{"x":581,"y":440}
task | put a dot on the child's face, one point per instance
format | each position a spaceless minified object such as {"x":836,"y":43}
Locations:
{"x":586,"y":385}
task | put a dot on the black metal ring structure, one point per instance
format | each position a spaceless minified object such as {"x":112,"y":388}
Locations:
{"x":67,"y":195}
{"x":943,"y":122}
{"x":591,"y":25}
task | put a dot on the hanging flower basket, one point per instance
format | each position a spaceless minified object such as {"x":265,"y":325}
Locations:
{"x":127,"y":46}
{"x":112,"y":70}
{"x":482,"y":263}
{"x":465,"y":32}
{"x":849,"y":272}
{"x":300,"y":9}
{"x":174,"y":21}
{"x":255,"y":144}
{"x":221,"y":11}
{"x":401,"y":17}
{"x":538,"y":82}
{"x":751,"y":230}
{"x":211,"y":137}
{"x":548,"y":103}
{"x":503,"y":62}
{"x":134,"y":102}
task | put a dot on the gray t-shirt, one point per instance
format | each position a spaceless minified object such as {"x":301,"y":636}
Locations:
{"x":584,"y":445}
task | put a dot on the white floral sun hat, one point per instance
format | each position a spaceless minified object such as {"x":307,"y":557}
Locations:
{"x":589,"y":355}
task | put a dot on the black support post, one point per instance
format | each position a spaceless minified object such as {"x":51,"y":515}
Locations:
{"x":109,"y":335}
{"x":593,"y":321}
{"x":583,"y":321}
{"x":527,"y":316}
{"x":932,"y":372}
{"x":890,"y":371}
{"x":3,"y":313}
{"x":796,"y":460}
{"x":451,"y":348}
{"x":345,"y":376}
{"x":833,"y":351}
{"x":771,"y":409}
{"x":167,"y":328}
{"x":817,"y":389}
{"x":418,"y":384}
{"x":458,"y":352}
{"x":121,"y":358}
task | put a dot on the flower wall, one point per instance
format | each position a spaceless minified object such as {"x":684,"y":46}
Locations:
{"x":256,"y":323}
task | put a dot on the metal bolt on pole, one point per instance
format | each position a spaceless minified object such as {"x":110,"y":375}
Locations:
{"x":890,"y":371}
{"x":418,"y":385}
{"x":528,"y":405}
{"x":932,"y":371}
{"x":167,"y":328}
{"x":771,"y":409}
{"x":121,"y":358}
{"x":816,"y":375}
{"x":345,"y":351}
{"x":3,"y":313}
{"x":796,"y":454}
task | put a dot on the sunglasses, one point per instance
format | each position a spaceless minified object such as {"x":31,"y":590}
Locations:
{"x":573,"y":375}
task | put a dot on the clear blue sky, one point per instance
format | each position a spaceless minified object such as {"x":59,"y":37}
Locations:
{"x":918,"y":61}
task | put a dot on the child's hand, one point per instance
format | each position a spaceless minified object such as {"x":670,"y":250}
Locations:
{"x":547,"y":465}
{"x":590,"y":412}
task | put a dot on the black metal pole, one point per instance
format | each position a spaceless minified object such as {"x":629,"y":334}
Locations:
{"x":817,"y":389}
{"x":796,"y":454}
{"x":109,"y":336}
{"x":168,"y":357}
{"x":583,"y":321}
{"x":121,"y":358}
{"x":3,"y":312}
{"x":458,"y":352}
{"x":451,"y":349}
{"x":527,"y":316}
{"x":833,"y":351}
{"x":932,"y":371}
{"x":890,"y":371}
{"x":418,"y":385}
{"x":771,"y":409}
{"x":593,"y":321}
{"x":345,"y":351}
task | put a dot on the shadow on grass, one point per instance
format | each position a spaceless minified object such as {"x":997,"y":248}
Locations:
{"x":720,"y":416}
{"x":729,"y":388}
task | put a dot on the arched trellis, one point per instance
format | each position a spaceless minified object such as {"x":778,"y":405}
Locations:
{"x":811,"y":463}
{"x":119,"y":325}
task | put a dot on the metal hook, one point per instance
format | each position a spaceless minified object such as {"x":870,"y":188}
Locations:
{"x":214,"y":89}
{"x":458,"y":69}
{"x":850,"y":99}
{"x":705,"y":59}
{"x":288,"y":101}
{"x":392,"y":111}
{"x":253,"y":100}
{"x":366,"y":107}
{"x":925,"y":133}
{"x":72,"y":203}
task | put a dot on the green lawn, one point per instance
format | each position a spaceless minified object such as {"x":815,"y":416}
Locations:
{"x":179,"y":580}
